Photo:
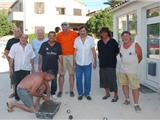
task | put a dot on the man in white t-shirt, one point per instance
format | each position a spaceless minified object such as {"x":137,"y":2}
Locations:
{"x":131,"y":56}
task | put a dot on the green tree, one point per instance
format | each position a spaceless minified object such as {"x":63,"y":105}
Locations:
{"x":6,"y":26}
{"x":113,"y":3}
{"x":100,"y":19}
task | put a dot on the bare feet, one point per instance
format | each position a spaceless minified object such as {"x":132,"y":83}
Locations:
{"x":10,"y":105}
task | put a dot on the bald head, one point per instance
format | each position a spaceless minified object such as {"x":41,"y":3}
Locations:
{"x":65,"y":26}
{"x":40,"y":34}
{"x":17,"y":33}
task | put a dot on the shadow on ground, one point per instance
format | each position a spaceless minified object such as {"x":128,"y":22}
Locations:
{"x":145,"y":89}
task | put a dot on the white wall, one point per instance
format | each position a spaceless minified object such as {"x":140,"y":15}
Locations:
{"x":50,"y":19}
{"x":140,"y":8}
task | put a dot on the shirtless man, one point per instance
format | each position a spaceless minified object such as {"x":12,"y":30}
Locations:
{"x":34,"y":84}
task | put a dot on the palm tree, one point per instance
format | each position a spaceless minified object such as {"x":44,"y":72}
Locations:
{"x":113,"y":3}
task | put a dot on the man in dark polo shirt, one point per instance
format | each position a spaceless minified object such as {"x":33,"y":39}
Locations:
{"x":50,"y":54}
{"x":15,"y":39}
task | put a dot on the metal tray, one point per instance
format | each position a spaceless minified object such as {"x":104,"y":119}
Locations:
{"x":48,"y":109}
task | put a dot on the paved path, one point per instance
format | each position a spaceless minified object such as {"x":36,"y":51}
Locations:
{"x":95,"y":109}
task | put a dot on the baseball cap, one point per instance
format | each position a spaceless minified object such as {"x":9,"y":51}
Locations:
{"x":65,"y":24}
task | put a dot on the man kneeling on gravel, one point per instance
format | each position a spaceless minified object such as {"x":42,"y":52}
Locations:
{"x":34,"y":84}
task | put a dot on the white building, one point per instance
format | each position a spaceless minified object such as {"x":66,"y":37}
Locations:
{"x":31,"y":14}
{"x":142,"y":19}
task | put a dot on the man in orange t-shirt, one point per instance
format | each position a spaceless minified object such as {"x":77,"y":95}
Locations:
{"x":66,"y":39}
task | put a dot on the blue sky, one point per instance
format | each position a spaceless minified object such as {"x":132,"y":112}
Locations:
{"x":91,"y":4}
{"x":95,"y":4}
{"x":7,"y":0}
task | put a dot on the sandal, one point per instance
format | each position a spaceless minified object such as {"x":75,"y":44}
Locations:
{"x":126,"y":102}
{"x":115,"y":99}
{"x":105,"y":97}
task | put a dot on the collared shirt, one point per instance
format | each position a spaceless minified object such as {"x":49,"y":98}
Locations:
{"x":22,"y":56}
{"x":66,"y":40}
{"x":84,"y":54}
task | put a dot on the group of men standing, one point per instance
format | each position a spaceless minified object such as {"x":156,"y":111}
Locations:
{"x":75,"y":53}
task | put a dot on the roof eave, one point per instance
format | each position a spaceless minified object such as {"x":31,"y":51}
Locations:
{"x":123,"y":5}
{"x":14,"y":4}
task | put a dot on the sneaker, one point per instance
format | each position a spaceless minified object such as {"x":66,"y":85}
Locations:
{"x":71,"y":94}
{"x":80,"y":97}
{"x":59,"y":94}
{"x":137,"y":108}
{"x":105,"y":97}
{"x":88,"y":97}
{"x":126,"y":102}
{"x":115,"y":99}
{"x":54,"y":97}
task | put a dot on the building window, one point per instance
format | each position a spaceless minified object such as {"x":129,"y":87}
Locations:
{"x":127,"y":22}
{"x":77,"y":12}
{"x":153,"y":41}
{"x":153,"y":12}
{"x":39,"y":7}
{"x":132,"y":25}
{"x":60,"y":11}
{"x":122,"y":25}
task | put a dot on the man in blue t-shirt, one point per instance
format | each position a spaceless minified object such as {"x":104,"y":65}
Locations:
{"x":36,"y":44}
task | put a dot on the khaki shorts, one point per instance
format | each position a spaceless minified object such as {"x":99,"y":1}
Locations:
{"x":129,"y":79}
{"x":67,"y":64}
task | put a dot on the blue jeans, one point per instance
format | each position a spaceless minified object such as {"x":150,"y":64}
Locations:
{"x":53,"y":82}
{"x":53,"y":86}
{"x":85,"y":71}
{"x":26,"y":97}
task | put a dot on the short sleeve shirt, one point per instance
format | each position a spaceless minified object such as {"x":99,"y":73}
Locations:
{"x":36,"y":44}
{"x":22,"y":56}
{"x":67,"y":41}
{"x":107,"y":53}
{"x":84,"y":54}
{"x":11,"y":42}
{"x":50,"y":55}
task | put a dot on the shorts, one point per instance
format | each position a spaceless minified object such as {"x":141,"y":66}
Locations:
{"x":129,"y":79}
{"x":67,"y":64}
{"x":25,"y":96}
{"x":108,"y":79}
